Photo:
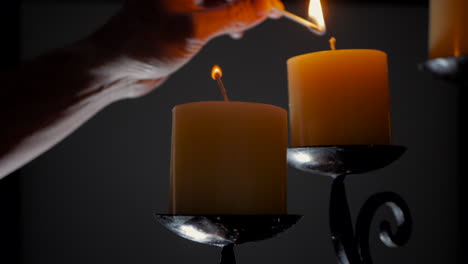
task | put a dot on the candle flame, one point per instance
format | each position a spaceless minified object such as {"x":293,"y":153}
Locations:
{"x":316,"y":14}
{"x":216,"y":72}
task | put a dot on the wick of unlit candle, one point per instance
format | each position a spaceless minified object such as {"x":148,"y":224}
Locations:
{"x":332,"y":43}
{"x":216,"y":74}
{"x":222,"y":88}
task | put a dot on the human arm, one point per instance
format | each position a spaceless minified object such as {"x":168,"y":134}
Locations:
{"x":47,"y":98}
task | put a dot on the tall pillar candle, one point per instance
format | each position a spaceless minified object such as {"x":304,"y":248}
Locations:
{"x":339,"y":97}
{"x":448,"y":28}
{"x":228,"y":158}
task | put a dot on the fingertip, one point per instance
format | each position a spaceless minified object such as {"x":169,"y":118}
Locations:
{"x":278,"y":4}
{"x":267,"y":8}
{"x":275,"y":15}
{"x":262,"y":7}
{"x":236,"y":16}
{"x":236,"y":35}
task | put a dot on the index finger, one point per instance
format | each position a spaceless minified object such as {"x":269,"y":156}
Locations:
{"x":232,"y":17}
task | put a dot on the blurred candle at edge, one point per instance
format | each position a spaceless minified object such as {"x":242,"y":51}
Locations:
{"x":339,"y":97}
{"x":448,"y":28}
{"x":228,"y":158}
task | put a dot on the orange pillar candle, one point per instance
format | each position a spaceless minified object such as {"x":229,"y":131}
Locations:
{"x":339,"y":97}
{"x":228,"y":158}
{"x":448,"y":28}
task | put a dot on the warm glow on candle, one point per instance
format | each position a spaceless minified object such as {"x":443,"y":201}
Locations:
{"x":339,"y":97}
{"x":227,"y":158}
{"x":316,"y":14}
{"x":448,"y":24}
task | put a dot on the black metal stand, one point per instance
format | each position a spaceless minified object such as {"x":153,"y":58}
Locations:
{"x":334,"y":161}
{"x":227,"y":230}
{"x":338,"y":162}
{"x":450,"y":69}
{"x":227,"y":255}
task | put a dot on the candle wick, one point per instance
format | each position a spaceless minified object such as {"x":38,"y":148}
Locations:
{"x":222,"y":88}
{"x":332,"y":43}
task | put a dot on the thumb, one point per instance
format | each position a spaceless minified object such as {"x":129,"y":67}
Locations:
{"x":236,"y":16}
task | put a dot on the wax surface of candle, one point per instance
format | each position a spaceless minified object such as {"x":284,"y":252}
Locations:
{"x":339,"y":97}
{"x":228,"y":158}
{"x":448,"y":28}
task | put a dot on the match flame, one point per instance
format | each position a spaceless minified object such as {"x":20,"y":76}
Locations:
{"x":316,"y":14}
{"x":216,"y":72}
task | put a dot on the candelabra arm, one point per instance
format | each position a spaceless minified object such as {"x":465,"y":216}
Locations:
{"x":227,"y":255}
{"x":341,"y":225}
{"x":338,"y":162}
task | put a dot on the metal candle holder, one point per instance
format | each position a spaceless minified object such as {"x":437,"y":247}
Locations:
{"x":335,"y":161}
{"x":227,"y":230}
{"x":338,"y":162}
{"x":451,"y":69}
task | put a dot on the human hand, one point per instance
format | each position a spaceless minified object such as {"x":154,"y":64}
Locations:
{"x":148,"y":40}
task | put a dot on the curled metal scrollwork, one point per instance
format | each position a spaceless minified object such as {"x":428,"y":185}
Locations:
{"x":391,"y":239}
{"x":354,"y":248}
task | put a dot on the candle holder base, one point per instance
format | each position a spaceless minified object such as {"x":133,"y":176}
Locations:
{"x":334,"y":161}
{"x":223,"y":230}
{"x":452,"y":69}
{"x":352,"y":244}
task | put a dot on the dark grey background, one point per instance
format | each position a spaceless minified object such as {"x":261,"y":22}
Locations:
{"x":91,"y":198}
{"x":10,"y":187}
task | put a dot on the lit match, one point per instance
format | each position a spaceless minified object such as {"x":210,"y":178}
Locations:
{"x":316,"y":15}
